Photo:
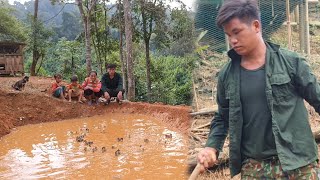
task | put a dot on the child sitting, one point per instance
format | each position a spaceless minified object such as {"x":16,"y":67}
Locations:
{"x":75,"y":89}
{"x":92,"y":88}
{"x":57,"y":89}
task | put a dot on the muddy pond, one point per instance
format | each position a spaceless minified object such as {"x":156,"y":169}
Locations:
{"x":121,"y":146}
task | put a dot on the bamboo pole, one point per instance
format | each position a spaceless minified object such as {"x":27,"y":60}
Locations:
{"x":307,"y":34}
{"x":301,"y":27}
{"x":296,"y":14}
{"x":288,"y":24}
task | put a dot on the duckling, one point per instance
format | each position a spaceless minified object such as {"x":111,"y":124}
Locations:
{"x":146,"y":140}
{"x":79,"y":138}
{"x":168,"y":136}
{"x":94,"y":149}
{"x":117,"y":153}
{"x":103,"y":149}
{"x":89,"y":143}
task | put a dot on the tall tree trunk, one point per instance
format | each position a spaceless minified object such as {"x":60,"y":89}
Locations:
{"x":146,"y":37}
{"x":148,"y":65}
{"x":97,"y":45}
{"x":40,"y":65}
{"x":123,"y":63}
{"x":35,"y":53}
{"x":106,"y":33}
{"x":72,"y":65}
{"x":87,"y":29}
{"x":87,"y":34}
{"x":128,"y":30}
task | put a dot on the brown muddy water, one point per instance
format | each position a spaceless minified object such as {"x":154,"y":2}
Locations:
{"x":120,"y":146}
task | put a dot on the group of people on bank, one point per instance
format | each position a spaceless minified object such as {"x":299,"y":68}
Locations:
{"x":92,"y":88}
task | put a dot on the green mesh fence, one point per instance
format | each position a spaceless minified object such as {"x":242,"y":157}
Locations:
{"x":273,"y":18}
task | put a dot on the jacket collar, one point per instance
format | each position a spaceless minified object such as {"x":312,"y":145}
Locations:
{"x":270,"y":46}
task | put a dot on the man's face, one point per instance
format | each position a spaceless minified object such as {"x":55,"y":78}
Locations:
{"x":111,"y":71}
{"x":243,"y":37}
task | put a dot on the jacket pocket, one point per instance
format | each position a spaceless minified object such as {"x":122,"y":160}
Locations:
{"x":282,"y":89}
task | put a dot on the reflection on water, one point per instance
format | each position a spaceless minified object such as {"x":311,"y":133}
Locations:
{"x":101,"y":147}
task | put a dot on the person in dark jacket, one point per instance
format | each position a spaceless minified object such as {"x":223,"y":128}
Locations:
{"x":112,"y":84}
{"x":260,"y":97}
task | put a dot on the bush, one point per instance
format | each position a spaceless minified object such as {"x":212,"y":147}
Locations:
{"x":171,"y":79}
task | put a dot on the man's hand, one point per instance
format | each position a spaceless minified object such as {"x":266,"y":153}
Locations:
{"x":207,"y":158}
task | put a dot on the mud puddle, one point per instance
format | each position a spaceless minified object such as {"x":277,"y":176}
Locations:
{"x":120,"y":146}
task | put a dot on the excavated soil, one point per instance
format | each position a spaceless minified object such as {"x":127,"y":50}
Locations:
{"x":35,"y":105}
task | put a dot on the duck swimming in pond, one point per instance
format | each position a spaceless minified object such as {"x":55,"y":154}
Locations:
{"x":168,"y":136}
{"x":103,"y":149}
{"x":117,"y":153}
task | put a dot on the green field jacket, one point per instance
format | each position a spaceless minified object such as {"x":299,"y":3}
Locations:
{"x":289,"y":81}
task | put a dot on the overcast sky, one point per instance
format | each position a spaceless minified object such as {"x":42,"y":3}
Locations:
{"x":189,"y":3}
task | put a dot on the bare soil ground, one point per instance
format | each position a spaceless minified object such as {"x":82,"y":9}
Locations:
{"x":34,"y":106}
{"x":205,"y":81}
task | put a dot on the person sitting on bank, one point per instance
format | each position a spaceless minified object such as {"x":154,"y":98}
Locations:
{"x":112,"y":84}
{"x":92,"y":88}
{"x":57,"y":88}
{"x":75,"y":89}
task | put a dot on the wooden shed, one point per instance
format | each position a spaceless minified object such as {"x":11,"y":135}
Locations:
{"x":11,"y":58}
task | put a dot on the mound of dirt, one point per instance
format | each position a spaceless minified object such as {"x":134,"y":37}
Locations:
{"x":35,"y":105}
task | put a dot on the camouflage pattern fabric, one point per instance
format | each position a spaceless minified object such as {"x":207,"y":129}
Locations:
{"x":271,"y":169}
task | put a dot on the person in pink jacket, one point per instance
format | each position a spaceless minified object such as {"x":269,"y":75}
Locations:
{"x":92,"y":88}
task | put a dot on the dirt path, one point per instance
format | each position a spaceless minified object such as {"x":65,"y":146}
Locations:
{"x":35,"y":105}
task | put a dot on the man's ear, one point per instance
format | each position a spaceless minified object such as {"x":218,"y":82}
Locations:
{"x":256,"y":26}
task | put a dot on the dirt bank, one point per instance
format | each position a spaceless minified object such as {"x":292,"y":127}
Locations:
{"x":35,"y":105}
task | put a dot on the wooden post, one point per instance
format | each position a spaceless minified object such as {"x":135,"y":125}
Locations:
{"x":288,"y":24}
{"x":272,"y":8}
{"x":301,"y":27}
{"x":307,"y":34}
{"x":296,"y":14}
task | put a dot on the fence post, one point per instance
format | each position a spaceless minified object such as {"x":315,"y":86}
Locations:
{"x":307,"y":34}
{"x":289,"y":24}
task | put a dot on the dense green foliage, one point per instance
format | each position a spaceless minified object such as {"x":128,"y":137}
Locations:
{"x":11,"y":29}
{"x":171,"y":77}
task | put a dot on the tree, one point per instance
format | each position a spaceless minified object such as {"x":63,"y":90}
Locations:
{"x":10,"y":28}
{"x":152,"y":12}
{"x":86,"y":12}
{"x":39,"y":46}
{"x":130,"y":65}
{"x":35,"y":52}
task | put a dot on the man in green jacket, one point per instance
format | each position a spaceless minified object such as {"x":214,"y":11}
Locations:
{"x":260,"y":96}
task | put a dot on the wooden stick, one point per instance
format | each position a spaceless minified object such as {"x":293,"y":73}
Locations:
{"x":195,"y":172}
{"x":196,"y":137}
{"x":202,"y":126}
{"x":202,"y":113}
{"x":195,"y":95}
{"x":200,"y":130}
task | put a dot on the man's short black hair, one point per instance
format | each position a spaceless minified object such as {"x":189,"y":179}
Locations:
{"x":111,"y":66}
{"x":246,"y":10}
